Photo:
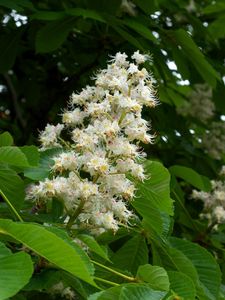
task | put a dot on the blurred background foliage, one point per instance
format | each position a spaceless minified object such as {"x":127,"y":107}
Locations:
{"x":48,"y":49}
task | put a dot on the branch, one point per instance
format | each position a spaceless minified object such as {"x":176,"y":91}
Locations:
{"x":15,"y":100}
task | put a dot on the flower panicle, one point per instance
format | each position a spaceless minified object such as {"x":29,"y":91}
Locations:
{"x":105,"y":126}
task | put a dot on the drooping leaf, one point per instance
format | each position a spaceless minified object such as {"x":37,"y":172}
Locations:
{"x":15,"y":272}
{"x":140,"y":29}
{"x":8,"y":49}
{"x":128,"y":37}
{"x":191,"y":176}
{"x":47,"y":40}
{"x":196,"y":57}
{"x":49,"y":246}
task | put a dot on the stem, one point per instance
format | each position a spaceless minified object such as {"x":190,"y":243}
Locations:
{"x":123,"y":115}
{"x":15,"y":100}
{"x":106,"y":281}
{"x":67,"y":145}
{"x":11,"y":206}
{"x":114,"y":271}
{"x":76,"y":214}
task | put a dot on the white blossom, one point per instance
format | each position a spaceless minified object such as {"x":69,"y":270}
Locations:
{"x":104,"y":126}
{"x":49,"y":136}
{"x":213,"y":202}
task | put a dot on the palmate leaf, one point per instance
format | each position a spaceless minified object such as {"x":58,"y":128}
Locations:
{"x":174,"y":260}
{"x":131,"y":255}
{"x":208,"y":271}
{"x":49,"y":246}
{"x":15,"y":272}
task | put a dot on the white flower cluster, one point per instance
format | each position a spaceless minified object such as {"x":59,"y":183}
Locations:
{"x":211,"y":137}
{"x":214,"y":201}
{"x":105,"y":127}
{"x":64,"y":292}
{"x":213,"y":140}
{"x":200,"y":105}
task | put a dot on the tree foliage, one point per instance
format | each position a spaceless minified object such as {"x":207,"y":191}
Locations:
{"x":48,"y":49}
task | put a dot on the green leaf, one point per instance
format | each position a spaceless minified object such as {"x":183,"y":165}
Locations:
{"x":85,"y":13}
{"x":216,"y":7}
{"x":137,"y":292}
{"x":13,"y":156}
{"x":181,"y":62}
{"x":93,"y":245}
{"x":32,"y":154}
{"x":12,"y":186}
{"x":156,"y":277}
{"x":47,"y":40}
{"x":191,"y":176}
{"x":4,"y":251}
{"x":43,"y":280}
{"x":15,"y":272}
{"x":128,"y":37}
{"x":205,"y":264}
{"x":140,"y":29}
{"x":9,"y":45}
{"x":49,"y":246}
{"x":157,"y":187}
{"x":175,"y":260}
{"x":196,"y":57}
{"x":182,"y":285}
{"x":217,"y":28}
{"x":129,"y":292}
{"x":153,"y":196}
{"x":132,"y":254}
{"x":175,"y":97}
{"x":43,"y":169}
{"x":6,"y":139}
